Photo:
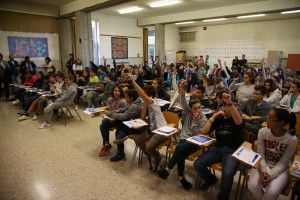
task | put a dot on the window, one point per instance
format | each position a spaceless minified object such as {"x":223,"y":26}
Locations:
{"x":151,"y":46}
{"x":187,"y":36}
{"x":96,"y":42}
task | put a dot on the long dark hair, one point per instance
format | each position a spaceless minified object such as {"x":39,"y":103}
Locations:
{"x":287,"y":118}
{"x":121,"y":91}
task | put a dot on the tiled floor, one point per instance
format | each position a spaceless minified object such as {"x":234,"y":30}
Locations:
{"x":62,"y":162}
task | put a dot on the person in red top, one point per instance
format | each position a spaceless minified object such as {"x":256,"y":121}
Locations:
{"x":29,"y":81}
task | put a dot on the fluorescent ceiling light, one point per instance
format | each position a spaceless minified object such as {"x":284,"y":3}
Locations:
{"x":288,"y":12}
{"x":184,"y":23}
{"x":248,"y":16}
{"x":211,"y":20}
{"x":129,"y":10}
{"x":164,"y":3}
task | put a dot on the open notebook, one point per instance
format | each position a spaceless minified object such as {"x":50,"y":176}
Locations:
{"x":201,"y":140}
{"x":135,"y":123}
{"x":247,"y":156}
{"x":165,"y":130}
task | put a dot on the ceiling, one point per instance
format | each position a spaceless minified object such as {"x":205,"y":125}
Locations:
{"x":184,"y":6}
{"x":56,"y":3}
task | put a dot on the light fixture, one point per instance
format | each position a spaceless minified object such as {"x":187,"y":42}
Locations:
{"x":292,"y":11}
{"x":129,"y":10}
{"x":211,"y":20}
{"x":164,"y":3}
{"x":248,"y":16}
{"x":184,"y":23}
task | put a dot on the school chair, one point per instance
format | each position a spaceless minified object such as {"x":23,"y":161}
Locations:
{"x":65,"y":110}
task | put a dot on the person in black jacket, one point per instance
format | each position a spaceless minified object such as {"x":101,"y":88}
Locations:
{"x":27,"y":66}
{"x":4,"y":76}
{"x":70,"y":63}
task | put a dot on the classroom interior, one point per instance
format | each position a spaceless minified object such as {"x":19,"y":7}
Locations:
{"x":62,"y":162}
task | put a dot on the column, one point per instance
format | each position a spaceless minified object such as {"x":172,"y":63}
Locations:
{"x":65,"y":42}
{"x":83,"y":37}
{"x":160,"y":41}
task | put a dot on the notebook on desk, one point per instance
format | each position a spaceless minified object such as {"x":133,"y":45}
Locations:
{"x":247,"y":156}
{"x":165,"y":131}
{"x":201,"y":140}
{"x":135,"y":123}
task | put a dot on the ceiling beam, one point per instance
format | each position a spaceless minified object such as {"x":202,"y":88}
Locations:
{"x":89,"y":5}
{"x":227,"y":11}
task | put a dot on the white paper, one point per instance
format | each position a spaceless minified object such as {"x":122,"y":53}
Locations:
{"x":165,"y":130}
{"x":200,"y":139}
{"x":135,"y":123}
{"x":247,"y":156}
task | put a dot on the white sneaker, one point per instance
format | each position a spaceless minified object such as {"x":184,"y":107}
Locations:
{"x":76,"y":107}
{"x":34,"y":117}
{"x":48,"y":108}
{"x":16,"y":102}
{"x":44,"y":125}
{"x":23,"y":117}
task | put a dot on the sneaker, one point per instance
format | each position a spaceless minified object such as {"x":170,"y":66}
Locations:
{"x":48,"y":108}
{"x":34,"y":117}
{"x":23,"y":117}
{"x":22,"y":113}
{"x":207,"y":185}
{"x":44,"y":125}
{"x":163,"y":173}
{"x":16,"y":102}
{"x":76,"y":107}
{"x":104,"y":150}
{"x":156,"y":165}
{"x":117,"y":157}
{"x":121,"y":137}
{"x":187,"y":185}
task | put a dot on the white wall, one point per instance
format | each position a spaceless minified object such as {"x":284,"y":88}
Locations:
{"x":172,"y":39}
{"x":53,"y":46}
{"x":282,"y":35}
{"x":120,"y":26}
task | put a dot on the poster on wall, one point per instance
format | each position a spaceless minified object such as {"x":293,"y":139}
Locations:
{"x":28,"y":46}
{"x":119,"y":48}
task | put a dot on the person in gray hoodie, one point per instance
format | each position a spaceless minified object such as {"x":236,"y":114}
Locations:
{"x":66,"y":99}
{"x":193,"y":124}
{"x":131,"y":111}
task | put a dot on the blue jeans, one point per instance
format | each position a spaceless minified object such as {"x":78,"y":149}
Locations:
{"x":229,"y":168}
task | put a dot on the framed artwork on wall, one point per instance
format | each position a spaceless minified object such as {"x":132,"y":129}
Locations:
{"x":119,"y":48}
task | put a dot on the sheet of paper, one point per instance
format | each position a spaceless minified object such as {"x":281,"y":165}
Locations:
{"x":135,"y":123}
{"x":246,"y":156}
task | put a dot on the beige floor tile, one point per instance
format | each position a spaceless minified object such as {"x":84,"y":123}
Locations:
{"x":62,"y":162}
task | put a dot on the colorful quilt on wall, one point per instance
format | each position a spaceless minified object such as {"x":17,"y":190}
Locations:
{"x":28,"y":46}
{"x":119,"y":48}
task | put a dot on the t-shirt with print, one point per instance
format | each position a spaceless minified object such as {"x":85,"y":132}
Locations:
{"x":155,"y":115}
{"x":228,"y":134}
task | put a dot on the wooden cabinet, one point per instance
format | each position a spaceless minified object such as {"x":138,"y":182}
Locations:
{"x":180,"y":56}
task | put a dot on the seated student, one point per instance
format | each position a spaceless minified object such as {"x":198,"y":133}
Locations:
{"x":244,"y":90}
{"x":116,"y":101}
{"x":194,"y":121}
{"x":273,"y":95}
{"x":29,"y":81}
{"x":221,"y":87}
{"x":209,"y":88}
{"x":292,"y":99}
{"x":101,"y":74}
{"x":107,"y":90}
{"x":228,"y":126}
{"x":29,"y":105}
{"x":40,"y":102}
{"x":156,"y":120}
{"x":255,"y":111}
{"x":89,"y":96}
{"x":159,"y":89}
{"x":131,"y":111}
{"x":277,"y":147}
{"x":199,"y":93}
{"x":66,"y":99}
{"x":176,"y":100}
